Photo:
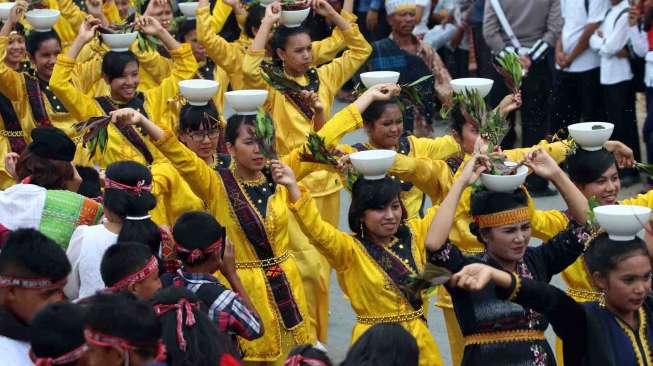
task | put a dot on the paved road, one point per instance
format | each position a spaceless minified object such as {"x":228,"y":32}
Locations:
{"x":342,"y":317}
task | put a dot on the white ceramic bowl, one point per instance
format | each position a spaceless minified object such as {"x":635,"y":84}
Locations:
{"x":5,"y":10}
{"x":119,"y":42}
{"x":246,"y":101}
{"x":482,"y":85}
{"x":188,"y":9}
{"x":590,"y":139}
{"x":372,"y":78}
{"x":294,"y":18}
{"x":373,"y":164}
{"x":198,"y":91}
{"x":42,"y":20}
{"x":622,"y":222}
{"x":505,"y":183}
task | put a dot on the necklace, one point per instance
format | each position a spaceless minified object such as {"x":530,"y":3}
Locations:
{"x":248,"y":182}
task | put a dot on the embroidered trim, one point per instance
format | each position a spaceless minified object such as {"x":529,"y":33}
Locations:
{"x":509,"y":336}
{"x":6,"y":133}
{"x":641,"y":331}
{"x":515,"y":290}
{"x":264,"y":263}
{"x":584,"y":295}
{"x":501,"y":218}
{"x":399,"y":318}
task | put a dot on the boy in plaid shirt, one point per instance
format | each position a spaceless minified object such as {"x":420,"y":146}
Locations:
{"x":200,"y":246}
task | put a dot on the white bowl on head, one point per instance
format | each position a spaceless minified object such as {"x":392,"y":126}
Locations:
{"x":622,"y":222}
{"x":588,"y":138}
{"x":505,"y":183}
{"x":5,"y":10}
{"x":372,"y":78}
{"x":246,"y":101}
{"x":482,"y":85}
{"x":198,"y":91}
{"x":188,"y":9}
{"x":373,"y":164}
{"x":42,"y":20}
{"x":119,"y":42}
{"x":293,"y":18}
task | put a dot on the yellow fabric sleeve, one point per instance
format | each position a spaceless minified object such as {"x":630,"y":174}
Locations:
{"x":221,"y":12}
{"x":335,"y":245}
{"x":328,"y":48}
{"x":346,"y":120}
{"x":432,"y":177}
{"x":72,"y":13}
{"x":12,"y":84}
{"x":110,"y":11}
{"x":645,"y":199}
{"x":420,"y":227}
{"x":557,"y":150}
{"x":78,"y":104}
{"x":153,"y":68}
{"x":226,"y":55}
{"x":547,"y":224}
{"x":438,"y":148}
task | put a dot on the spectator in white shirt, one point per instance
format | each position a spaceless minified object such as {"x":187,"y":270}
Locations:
{"x":610,"y":42}
{"x":577,"y":92}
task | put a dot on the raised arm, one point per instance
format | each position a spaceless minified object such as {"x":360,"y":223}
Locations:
{"x":336,"y":246}
{"x":80,"y":105}
{"x":11,"y":82}
{"x":224,"y":54}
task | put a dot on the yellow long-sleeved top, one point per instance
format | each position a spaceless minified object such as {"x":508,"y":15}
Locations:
{"x":369,"y":289}
{"x":12,"y":85}
{"x":230,"y":55}
{"x":74,"y":16}
{"x":207,"y":184}
{"x":292,"y":127}
{"x":156,"y":104}
{"x":173,"y":194}
{"x":576,"y":276}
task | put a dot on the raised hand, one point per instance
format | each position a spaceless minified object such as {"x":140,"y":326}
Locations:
{"x":282,"y":174}
{"x":383,"y":91}
{"x":473,"y":277}
{"x":228,"y":266}
{"x":17,"y":12}
{"x":473,"y":168}
{"x":323,"y":8}
{"x":623,"y":154}
{"x":541,"y":163}
{"x":126,"y":116}
{"x":149,"y":25}
{"x":273,"y":12}
{"x":94,"y":7}
{"x":87,"y":29}
{"x":510,"y":103}
{"x":10,"y":164}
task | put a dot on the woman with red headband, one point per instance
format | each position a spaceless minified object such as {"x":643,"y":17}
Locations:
{"x":127,"y":203}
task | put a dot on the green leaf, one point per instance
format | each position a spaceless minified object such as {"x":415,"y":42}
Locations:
{"x":103,"y":137}
{"x":418,"y":81}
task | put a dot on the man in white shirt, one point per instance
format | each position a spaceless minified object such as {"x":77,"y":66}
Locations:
{"x":610,"y":42}
{"x":577,"y":91}
{"x":33,"y":271}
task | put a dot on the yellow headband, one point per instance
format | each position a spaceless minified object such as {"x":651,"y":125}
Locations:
{"x":502,"y":218}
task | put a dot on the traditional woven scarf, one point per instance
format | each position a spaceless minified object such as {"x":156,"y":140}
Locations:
{"x":197,"y":253}
{"x":138,"y":276}
{"x":277,"y":79}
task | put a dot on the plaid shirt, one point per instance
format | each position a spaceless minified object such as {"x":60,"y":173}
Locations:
{"x":225,"y":307}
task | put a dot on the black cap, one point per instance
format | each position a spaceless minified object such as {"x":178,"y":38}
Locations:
{"x":52,"y":143}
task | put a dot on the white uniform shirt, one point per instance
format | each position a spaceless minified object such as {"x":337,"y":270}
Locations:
{"x":614,"y":69}
{"x":14,"y":353}
{"x":576,"y":18}
{"x":639,"y":40}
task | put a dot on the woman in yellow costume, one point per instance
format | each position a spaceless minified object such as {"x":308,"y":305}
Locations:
{"x":375,"y":262}
{"x":230,"y":55}
{"x":291,"y":65}
{"x":120,"y":71}
{"x":252,"y":207}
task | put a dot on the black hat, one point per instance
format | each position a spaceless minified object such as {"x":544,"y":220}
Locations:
{"x":585,"y":166}
{"x":52,"y":143}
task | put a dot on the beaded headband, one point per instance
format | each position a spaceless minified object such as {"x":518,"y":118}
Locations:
{"x":197,"y":253}
{"x":138,"y":276}
{"x":502,"y":218}
{"x":66,"y":358}
{"x":31,"y":283}
{"x":183,"y":305}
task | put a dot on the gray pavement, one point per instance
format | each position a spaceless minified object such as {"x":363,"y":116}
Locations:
{"x":342,"y":317}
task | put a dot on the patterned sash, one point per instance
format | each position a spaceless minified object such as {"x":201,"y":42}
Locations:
{"x":63,"y":211}
{"x":254,"y":230}
{"x":128,"y":131}
{"x":35,"y":98}
{"x":14,"y":131}
{"x":274,"y":73}
{"x":393,"y":266}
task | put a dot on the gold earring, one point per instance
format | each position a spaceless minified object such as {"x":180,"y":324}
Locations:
{"x":602,"y":299}
{"x":362,"y":231}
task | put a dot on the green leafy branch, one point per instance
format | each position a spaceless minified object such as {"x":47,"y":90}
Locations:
{"x":264,"y":133}
{"x":510,"y":68}
{"x":95,"y":133}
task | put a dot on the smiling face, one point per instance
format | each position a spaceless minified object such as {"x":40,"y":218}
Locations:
{"x":245,"y":149}
{"x":16,"y":50}
{"x":508,"y":243}
{"x":124,"y":87}
{"x":627,"y":285}
{"x":383,"y":222}
{"x":162,"y":13}
{"x":297,"y":55}
{"x":45,"y":57}
{"x":384,"y":133}
{"x":605,"y":189}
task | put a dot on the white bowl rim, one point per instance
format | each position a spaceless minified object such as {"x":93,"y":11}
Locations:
{"x":472,"y":81}
{"x":246,"y":92}
{"x":294,"y":24}
{"x":375,"y":154}
{"x":582,"y":126}
{"x":522,"y":170}
{"x":622,"y":210}
{"x":386,"y":73}
{"x":239,"y":94}
{"x":5,"y":5}
{"x":197,"y":83}
{"x":43,"y":14}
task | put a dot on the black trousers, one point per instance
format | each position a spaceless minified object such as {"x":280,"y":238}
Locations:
{"x":577,"y":96}
{"x":619,"y":100}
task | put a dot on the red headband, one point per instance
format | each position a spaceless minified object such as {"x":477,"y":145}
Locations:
{"x":197,"y":253}
{"x":140,"y":186}
{"x":106,"y":340}
{"x":181,"y":306}
{"x":298,"y":360}
{"x":31,"y":283}
{"x":138,"y":276}
{"x":66,"y":358}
